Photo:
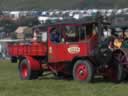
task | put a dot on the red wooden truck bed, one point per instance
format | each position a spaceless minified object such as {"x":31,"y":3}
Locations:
{"x":34,"y":49}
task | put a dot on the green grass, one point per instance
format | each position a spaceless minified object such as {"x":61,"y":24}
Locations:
{"x":11,"y":85}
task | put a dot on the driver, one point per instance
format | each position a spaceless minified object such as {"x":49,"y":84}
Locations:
{"x":55,"y":36}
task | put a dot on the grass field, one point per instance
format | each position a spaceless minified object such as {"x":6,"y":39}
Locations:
{"x":11,"y":85}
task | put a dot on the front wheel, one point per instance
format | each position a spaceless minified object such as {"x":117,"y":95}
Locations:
{"x":83,"y":71}
{"x":25,"y":71}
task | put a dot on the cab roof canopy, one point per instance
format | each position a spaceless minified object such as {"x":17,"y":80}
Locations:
{"x":120,"y":21}
{"x":85,"y":20}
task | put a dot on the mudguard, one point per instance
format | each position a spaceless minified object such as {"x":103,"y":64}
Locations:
{"x":34,"y":63}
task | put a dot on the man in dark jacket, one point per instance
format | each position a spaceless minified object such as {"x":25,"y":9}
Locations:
{"x":55,"y":36}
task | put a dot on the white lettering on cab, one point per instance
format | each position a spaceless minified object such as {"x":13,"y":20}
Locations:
{"x":74,"y":50}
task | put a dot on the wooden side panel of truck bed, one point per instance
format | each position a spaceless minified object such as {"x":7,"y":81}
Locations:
{"x":34,"y":49}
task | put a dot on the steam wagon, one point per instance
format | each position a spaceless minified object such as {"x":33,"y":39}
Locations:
{"x":68,"y":48}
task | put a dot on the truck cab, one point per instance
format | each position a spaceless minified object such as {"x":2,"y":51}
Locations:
{"x":68,"y":41}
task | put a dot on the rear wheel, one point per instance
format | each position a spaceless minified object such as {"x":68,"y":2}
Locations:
{"x":25,"y":71}
{"x":116,"y":71}
{"x":83,"y":71}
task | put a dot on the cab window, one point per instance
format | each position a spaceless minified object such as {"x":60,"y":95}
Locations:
{"x":71,"y":33}
{"x":55,"y":35}
{"x":86,"y":31}
{"x":78,"y":33}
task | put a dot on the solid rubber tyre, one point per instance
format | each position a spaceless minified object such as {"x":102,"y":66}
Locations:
{"x":83,"y":71}
{"x":25,"y":71}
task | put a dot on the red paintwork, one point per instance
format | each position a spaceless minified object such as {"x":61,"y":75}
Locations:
{"x":34,"y":64}
{"x":60,"y":51}
{"x":81,"y":72}
{"x":34,"y":49}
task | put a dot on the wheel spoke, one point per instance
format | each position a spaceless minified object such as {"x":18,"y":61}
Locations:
{"x":81,"y":72}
